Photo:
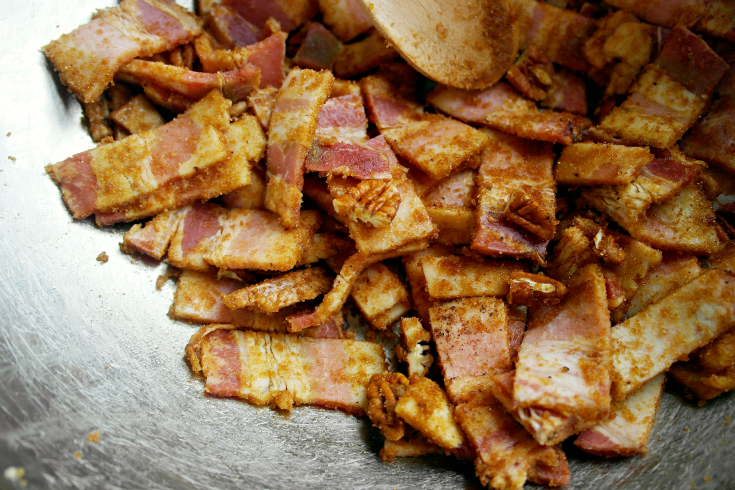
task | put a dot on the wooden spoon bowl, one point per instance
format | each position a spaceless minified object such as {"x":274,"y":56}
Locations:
{"x":467,"y":44}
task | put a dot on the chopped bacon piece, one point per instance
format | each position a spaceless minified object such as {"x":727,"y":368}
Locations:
{"x":287,"y":13}
{"x":564,"y":361}
{"x":417,"y":445}
{"x":323,"y":246}
{"x":626,"y":434}
{"x":154,"y":238}
{"x":648,"y":343}
{"x":110,"y":176}
{"x":250,"y":196}
{"x":517,"y":315}
{"x":246,"y":145}
{"x":319,"y":49}
{"x":454,"y":224}
{"x":506,"y":454}
{"x":457,"y":276}
{"x":97,"y":114}
{"x":510,"y":164}
{"x":426,"y":408}
{"x":712,"y":138}
{"x":342,"y":118}
{"x":559,"y":33}
{"x":416,"y":279}
{"x":235,"y":84}
{"x":262,"y":102}
{"x":414,"y":347}
{"x":279,"y":292}
{"x":364,"y":55}
{"x":532,"y":74}
{"x":568,"y":93}
{"x":671,"y":274}
{"x":381,"y":296}
{"x":710,"y":370}
{"x":669,"y":96}
{"x":472,"y":337}
{"x":345,"y":18}
{"x":137,"y":115}
{"x":230,"y":28}
{"x":600,"y":164}
{"x":573,"y":252}
{"x":285,"y":369}
{"x":194,"y":236}
{"x":290,"y":133}
{"x":254,"y":239}
{"x":456,"y":190}
{"x":88,"y":57}
{"x":502,"y":108}
{"x":268,"y":55}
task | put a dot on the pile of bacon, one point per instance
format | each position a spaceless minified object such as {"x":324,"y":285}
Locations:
{"x":555,"y":258}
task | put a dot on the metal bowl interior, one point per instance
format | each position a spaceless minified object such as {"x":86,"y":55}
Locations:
{"x":86,"y":346}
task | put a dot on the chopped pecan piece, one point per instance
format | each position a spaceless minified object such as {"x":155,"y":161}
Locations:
{"x":371,"y":201}
{"x":533,"y":289}
{"x":532,"y":74}
{"x":524,"y":212}
{"x":383,"y":392}
{"x":414,"y":347}
{"x":607,"y":248}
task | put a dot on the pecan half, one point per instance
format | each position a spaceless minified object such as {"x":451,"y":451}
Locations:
{"x":532,"y":74}
{"x":371,"y":201}
{"x":533,"y":289}
{"x":523,"y":211}
{"x":383,"y":392}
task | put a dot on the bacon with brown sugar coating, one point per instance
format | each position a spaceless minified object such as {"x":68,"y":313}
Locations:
{"x":626,"y":434}
{"x":111,"y":176}
{"x":457,"y":276}
{"x":502,"y":108}
{"x":514,"y":169}
{"x":345,"y":18}
{"x":88,"y":57}
{"x":137,"y":115}
{"x":319,"y":49}
{"x":649,"y":342}
{"x":154,"y":238}
{"x":600,"y":164}
{"x":564,"y":361}
{"x":245,"y":145}
{"x":284,"y":370}
{"x":710,"y":371}
{"x":230,"y":28}
{"x":290,"y":134}
{"x":381,"y":296}
{"x":199,"y":223}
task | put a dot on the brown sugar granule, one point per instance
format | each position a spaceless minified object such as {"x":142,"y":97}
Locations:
{"x":94,"y":436}
{"x":103,"y":257}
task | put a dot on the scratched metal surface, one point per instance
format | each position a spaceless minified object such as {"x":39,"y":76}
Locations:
{"x":86,"y":346}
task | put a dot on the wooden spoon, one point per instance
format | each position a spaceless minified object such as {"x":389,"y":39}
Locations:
{"x":467,"y":44}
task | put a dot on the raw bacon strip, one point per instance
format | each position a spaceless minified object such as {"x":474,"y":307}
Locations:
{"x":456,"y":276}
{"x":559,"y":33}
{"x":245,"y":144}
{"x":345,"y":18}
{"x":381,"y":296}
{"x":254,"y":239}
{"x":510,"y":165}
{"x":200,"y":222}
{"x":285,"y":370}
{"x":290,"y":134}
{"x":506,"y":455}
{"x":671,"y":274}
{"x":472,"y":337}
{"x":235,"y":84}
{"x":229,"y":28}
{"x":137,"y":115}
{"x":502,"y":108}
{"x":154,"y":238}
{"x":564,"y":361}
{"x":88,"y":57}
{"x":268,"y":55}
{"x":600,"y":164}
{"x":110,"y":176}
{"x":648,"y":343}
{"x":714,"y":17}
{"x":279,"y":292}
{"x":669,"y":96}
{"x":627,"y":433}
{"x":319,"y":49}
{"x":198,"y":299}
{"x":425,"y":407}
{"x":686,"y":223}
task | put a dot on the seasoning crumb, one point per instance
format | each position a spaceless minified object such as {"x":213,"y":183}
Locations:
{"x":686,"y":429}
{"x":78,"y":455}
{"x":103,"y":257}
{"x":13,"y":473}
{"x":94,"y":436}
{"x":107,"y":367}
{"x":706,"y":478}
{"x":9,"y":133}
{"x":12,"y":159}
